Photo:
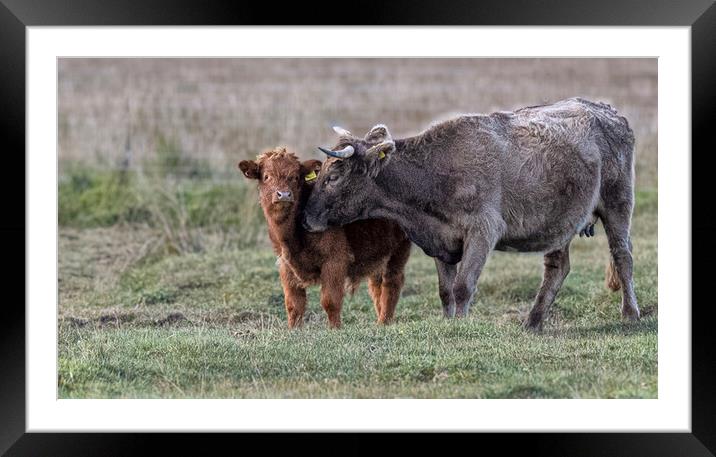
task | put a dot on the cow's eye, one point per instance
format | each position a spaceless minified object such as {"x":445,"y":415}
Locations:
{"x":267,"y":177}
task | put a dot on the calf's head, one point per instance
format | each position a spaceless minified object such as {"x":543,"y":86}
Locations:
{"x":347,"y":179}
{"x":282,"y":179}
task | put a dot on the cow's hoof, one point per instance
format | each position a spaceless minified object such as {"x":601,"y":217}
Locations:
{"x":533,"y":324}
{"x":460,"y":313}
{"x":631,"y":314}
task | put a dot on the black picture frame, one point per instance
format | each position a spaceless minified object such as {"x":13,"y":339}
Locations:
{"x":16,"y":15}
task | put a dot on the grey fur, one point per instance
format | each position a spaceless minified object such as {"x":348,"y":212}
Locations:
{"x":528,"y":181}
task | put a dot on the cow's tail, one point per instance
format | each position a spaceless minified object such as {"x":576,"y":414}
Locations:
{"x":611,"y":278}
{"x":619,"y":141}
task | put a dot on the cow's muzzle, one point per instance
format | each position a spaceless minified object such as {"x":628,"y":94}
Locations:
{"x":313,"y":225}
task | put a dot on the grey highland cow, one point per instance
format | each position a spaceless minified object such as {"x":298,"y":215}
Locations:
{"x":526,"y":181}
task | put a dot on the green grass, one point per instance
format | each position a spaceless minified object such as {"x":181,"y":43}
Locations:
{"x":426,"y":358}
{"x":142,"y":315}
{"x":162,"y":199}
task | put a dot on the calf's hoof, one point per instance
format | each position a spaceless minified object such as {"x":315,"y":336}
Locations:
{"x":294,"y":324}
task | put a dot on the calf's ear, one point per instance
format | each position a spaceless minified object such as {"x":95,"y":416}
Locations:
{"x":250,"y":169}
{"x":309,"y":170}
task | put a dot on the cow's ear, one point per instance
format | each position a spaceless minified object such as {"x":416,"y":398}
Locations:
{"x":379,"y":155}
{"x":380,"y":151}
{"x":250,"y":169}
{"x":309,"y":170}
{"x":378,"y":134}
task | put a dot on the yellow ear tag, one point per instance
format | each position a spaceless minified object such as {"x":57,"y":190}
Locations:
{"x":311,"y":176}
{"x":381,"y":155}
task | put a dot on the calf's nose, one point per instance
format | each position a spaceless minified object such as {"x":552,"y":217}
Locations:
{"x":284,"y":196}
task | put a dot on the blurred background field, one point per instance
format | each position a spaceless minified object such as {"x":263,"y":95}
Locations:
{"x":167,"y":283}
{"x":200,"y":116}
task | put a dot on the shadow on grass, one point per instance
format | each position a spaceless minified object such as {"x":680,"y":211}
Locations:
{"x":525,"y":392}
{"x":645,"y":325}
{"x":174,"y":319}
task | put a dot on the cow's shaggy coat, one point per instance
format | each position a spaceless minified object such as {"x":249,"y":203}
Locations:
{"x":337,"y":258}
{"x":527,"y":181}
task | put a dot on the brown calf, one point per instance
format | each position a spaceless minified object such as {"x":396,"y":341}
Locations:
{"x":337,"y":258}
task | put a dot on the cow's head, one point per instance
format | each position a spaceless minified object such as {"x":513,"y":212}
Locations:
{"x":283,"y":180}
{"x":347,"y":178}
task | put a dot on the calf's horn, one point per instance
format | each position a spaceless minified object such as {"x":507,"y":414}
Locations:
{"x":340,"y":154}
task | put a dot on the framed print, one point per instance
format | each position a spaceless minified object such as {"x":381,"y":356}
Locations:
{"x":432,"y":218}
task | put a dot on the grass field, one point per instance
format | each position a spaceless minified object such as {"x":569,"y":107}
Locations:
{"x":168,"y":286}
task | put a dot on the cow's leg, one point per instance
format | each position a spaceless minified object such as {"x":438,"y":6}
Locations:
{"x":446,"y":278}
{"x":617,"y":219}
{"x":332,"y":292}
{"x":375,"y":283}
{"x":476,"y":247}
{"x":294,"y":297}
{"x":393,"y":280}
{"x":556,"y":268}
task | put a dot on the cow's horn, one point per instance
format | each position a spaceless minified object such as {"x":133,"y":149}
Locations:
{"x":341,"y":154}
{"x":341,"y":131}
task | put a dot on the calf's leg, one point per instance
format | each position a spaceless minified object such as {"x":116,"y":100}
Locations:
{"x":392,"y":285}
{"x":294,"y":297}
{"x":393,"y":281}
{"x":446,"y":278}
{"x":375,"y":283}
{"x":332,"y":292}
{"x":556,"y":268}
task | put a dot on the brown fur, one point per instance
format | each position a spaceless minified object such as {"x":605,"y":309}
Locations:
{"x":337,"y":258}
